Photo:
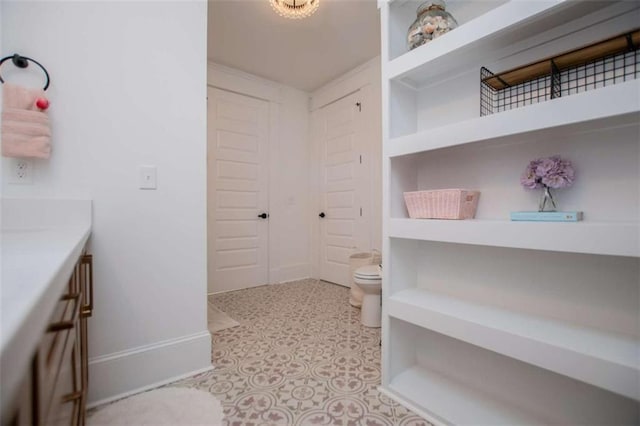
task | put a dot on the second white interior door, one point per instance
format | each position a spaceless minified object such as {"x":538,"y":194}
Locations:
{"x":238,"y":138}
{"x":344,"y":187}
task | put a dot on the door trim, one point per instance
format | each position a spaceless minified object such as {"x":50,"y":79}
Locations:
{"x":361,"y":181}
{"x":352,"y":81}
{"x":233,"y":80}
{"x":269,"y":202}
{"x":238,"y":82}
{"x":365,"y":78}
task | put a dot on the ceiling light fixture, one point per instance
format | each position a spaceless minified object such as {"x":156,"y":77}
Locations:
{"x":295,"y":9}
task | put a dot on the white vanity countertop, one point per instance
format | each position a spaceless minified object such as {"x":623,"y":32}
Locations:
{"x":40,"y":242}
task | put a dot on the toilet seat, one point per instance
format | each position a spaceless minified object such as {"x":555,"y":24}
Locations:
{"x":369,"y":274}
{"x":369,"y":279}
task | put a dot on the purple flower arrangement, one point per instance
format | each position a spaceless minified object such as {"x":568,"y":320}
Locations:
{"x":550,"y":172}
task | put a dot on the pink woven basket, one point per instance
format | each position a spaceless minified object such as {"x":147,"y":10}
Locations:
{"x":442,"y":204}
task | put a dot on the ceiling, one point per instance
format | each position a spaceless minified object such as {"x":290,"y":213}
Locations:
{"x":305,"y":54}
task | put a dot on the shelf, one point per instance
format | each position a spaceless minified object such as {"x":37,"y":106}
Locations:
{"x":497,"y":29}
{"x":611,"y":106}
{"x":603,"y":238}
{"x":604,"y":360}
{"x":474,"y":334}
{"x":620,"y":44}
{"x":454,"y":403}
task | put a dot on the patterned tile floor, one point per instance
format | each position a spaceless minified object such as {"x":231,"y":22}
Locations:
{"x":299,"y":357}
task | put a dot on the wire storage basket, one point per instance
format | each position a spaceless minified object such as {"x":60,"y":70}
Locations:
{"x":605,"y":63}
{"x":442,"y":204}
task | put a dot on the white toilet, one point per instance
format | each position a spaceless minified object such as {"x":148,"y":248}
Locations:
{"x":369,"y":279}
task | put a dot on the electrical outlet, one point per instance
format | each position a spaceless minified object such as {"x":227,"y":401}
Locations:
{"x":21,"y":171}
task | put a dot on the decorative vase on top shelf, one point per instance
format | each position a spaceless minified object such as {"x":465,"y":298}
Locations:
{"x":433,"y":20}
{"x":547,"y":174}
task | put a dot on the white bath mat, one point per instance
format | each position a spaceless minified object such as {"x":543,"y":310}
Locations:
{"x":165,"y":406}
{"x":218,"y":320}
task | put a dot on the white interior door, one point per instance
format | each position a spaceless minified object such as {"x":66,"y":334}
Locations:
{"x":343,"y":188}
{"x":238,"y":130}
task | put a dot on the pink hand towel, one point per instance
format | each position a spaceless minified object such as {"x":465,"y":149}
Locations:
{"x":25,"y":128}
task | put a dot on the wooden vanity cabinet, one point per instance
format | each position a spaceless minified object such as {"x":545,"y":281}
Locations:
{"x":54,"y":392}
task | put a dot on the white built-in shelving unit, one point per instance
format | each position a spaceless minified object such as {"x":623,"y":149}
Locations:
{"x":488,"y":321}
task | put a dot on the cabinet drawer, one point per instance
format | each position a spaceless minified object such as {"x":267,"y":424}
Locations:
{"x":56,"y":342}
{"x":66,"y":393}
{"x":23,"y":415}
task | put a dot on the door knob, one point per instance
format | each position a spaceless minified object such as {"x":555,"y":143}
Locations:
{"x":263,"y":215}
{"x":322,"y":214}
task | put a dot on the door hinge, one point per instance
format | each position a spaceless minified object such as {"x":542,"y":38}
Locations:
{"x":359,"y":105}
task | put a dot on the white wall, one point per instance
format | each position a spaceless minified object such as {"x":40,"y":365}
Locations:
{"x":293,"y":215}
{"x":289,"y":199}
{"x":129,"y":88}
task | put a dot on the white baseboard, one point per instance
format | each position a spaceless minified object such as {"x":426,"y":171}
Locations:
{"x":121,"y":374}
{"x":436,"y":421}
{"x":286,"y":274}
{"x":146,"y":388}
{"x":295,"y":272}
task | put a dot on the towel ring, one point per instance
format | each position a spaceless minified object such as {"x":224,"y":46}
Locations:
{"x":23,"y":62}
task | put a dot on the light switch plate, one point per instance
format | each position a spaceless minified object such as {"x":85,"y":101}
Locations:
{"x":148,"y":177}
